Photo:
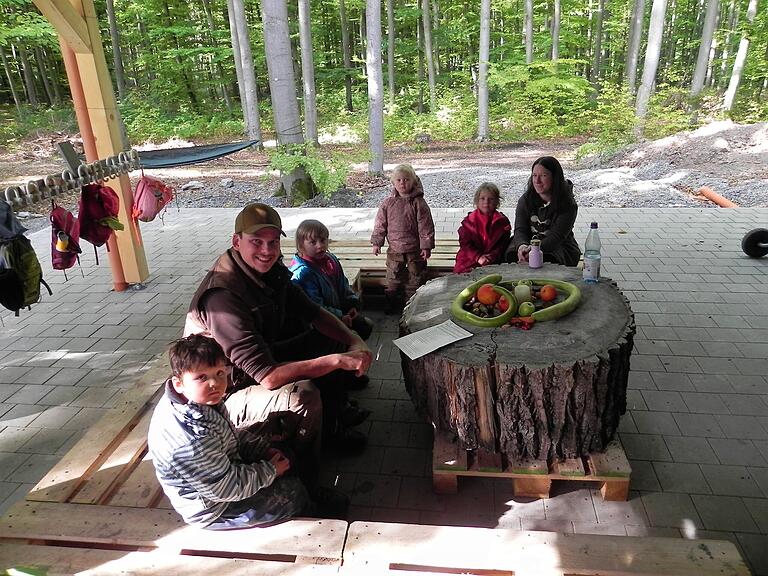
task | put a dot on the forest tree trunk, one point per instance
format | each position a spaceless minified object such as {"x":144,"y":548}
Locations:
{"x":375,"y":86}
{"x":308,"y":72}
{"x":241,"y":44}
{"x":426,"y":19}
{"x":652,"y":52}
{"x":482,"y":80}
{"x":741,"y":58}
{"x":117,"y":54}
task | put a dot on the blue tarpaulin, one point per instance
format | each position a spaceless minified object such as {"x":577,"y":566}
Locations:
{"x":170,"y":157}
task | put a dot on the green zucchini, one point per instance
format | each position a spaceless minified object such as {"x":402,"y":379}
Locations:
{"x":457,"y":307}
{"x":561,"y":308}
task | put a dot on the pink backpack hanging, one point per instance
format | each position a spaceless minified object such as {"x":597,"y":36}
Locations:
{"x":65,"y":239}
{"x":150,"y":198}
{"x":97,"y":214}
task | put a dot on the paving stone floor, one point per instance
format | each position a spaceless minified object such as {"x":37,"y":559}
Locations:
{"x":696,"y":428}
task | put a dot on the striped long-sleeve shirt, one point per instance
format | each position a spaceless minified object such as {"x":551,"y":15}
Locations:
{"x":195,"y":451}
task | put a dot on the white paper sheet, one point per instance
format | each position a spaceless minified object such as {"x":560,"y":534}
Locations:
{"x":430,"y":339}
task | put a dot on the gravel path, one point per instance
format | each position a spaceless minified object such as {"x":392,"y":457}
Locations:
{"x":731,"y":159}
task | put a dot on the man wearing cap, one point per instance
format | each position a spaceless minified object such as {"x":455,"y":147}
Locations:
{"x":248,"y":304}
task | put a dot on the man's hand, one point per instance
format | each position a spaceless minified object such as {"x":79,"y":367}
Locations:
{"x":352,"y":313}
{"x":377,"y":250}
{"x":425,"y":254}
{"x":483,"y":260}
{"x":357,"y":360}
{"x":280,"y":462}
{"x":347,"y":319}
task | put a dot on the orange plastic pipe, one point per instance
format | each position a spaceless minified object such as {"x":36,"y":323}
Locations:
{"x":713,"y":196}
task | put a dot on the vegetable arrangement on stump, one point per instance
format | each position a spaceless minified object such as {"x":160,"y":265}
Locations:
{"x":556,"y":390}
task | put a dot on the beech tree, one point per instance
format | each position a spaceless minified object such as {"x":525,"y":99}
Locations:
{"x":427,"y":21}
{"x":528,"y":31}
{"x":652,"y":52}
{"x":482,"y":74}
{"x":241,"y":45}
{"x":375,"y":86}
{"x":741,"y":57}
{"x":702,"y":60}
{"x":307,"y":72}
{"x":633,"y":48}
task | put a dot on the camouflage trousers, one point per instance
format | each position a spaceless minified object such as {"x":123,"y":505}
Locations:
{"x":406,"y":272}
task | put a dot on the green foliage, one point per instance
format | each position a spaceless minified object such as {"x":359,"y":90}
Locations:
{"x":146,"y":122}
{"x":328,"y":171}
{"x":610,"y":123}
{"x":541,"y":99}
{"x":34,"y":123}
{"x":668,"y":112}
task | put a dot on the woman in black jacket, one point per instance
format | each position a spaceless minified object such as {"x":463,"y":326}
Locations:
{"x":547,"y":211}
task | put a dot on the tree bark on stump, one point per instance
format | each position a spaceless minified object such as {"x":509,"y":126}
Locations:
{"x":557,"y":390}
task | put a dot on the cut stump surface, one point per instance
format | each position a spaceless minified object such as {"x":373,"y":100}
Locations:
{"x":555,"y":391}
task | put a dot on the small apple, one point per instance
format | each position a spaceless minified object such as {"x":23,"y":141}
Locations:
{"x":526,"y":309}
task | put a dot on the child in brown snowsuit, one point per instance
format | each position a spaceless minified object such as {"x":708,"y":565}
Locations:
{"x":405,"y":220}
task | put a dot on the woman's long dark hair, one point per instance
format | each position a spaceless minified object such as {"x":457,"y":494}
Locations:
{"x":562,"y":189}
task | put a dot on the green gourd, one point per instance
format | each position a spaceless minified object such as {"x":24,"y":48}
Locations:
{"x":457,"y":307}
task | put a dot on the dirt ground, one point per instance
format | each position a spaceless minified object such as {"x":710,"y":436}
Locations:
{"x":730,"y":158}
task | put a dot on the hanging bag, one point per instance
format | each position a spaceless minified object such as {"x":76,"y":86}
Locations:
{"x":150,"y":198}
{"x":97,"y":214}
{"x":65,"y":239}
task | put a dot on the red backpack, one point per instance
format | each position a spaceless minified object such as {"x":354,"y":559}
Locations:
{"x":65,"y":239}
{"x":150,"y":198}
{"x":97,"y":214}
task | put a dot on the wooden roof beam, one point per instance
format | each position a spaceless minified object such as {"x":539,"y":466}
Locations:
{"x":68,"y":23}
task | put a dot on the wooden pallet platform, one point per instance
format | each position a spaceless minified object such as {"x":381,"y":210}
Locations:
{"x":101,"y":510}
{"x":379,"y":548}
{"x":532,"y":478}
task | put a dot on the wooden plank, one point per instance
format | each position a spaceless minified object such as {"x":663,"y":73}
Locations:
{"x":571,"y":467}
{"x":615,"y":491}
{"x":528,"y":467}
{"x":374,"y":545}
{"x":66,"y":477}
{"x":92,"y":561}
{"x":612,"y":463}
{"x":532,"y":487}
{"x":300,"y":540}
{"x":118,"y":465}
{"x":141,"y":489}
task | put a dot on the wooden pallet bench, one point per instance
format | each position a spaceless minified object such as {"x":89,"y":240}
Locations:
{"x":380,"y":548}
{"x":531,"y":478}
{"x":101,"y":509}
{"x":364,"y":270}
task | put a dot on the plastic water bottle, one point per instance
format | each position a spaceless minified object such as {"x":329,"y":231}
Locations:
{"x":592,"y":255}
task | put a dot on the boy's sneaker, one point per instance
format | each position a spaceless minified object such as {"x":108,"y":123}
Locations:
{"x":330,"y":502}
{"x":352,"y":415}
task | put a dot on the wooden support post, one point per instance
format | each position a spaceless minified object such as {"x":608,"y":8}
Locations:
{"x":78,"y":26}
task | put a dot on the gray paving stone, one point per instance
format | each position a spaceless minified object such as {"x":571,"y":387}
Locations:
{"x":758,"y":507}
{"x":67,"y":377}
{"x":698,"y":425}
{"x":737,"y":451}
{"x":9,"y":461}
{"x":681,"y":477}
{"x":85,"y":418}
{"x":748,"y":384}
{"x":29,"y":394}
{"x":652,"y":531}
{"x":755,"y":548}
{"x":21,"y":415}
{"x":655,"y":422}
{"x":34,"y":468}
{"x":55,"y":417}
{"x":664,"y":401}
{"x":742,"y":427}
{"x":672,"y":382}
{"x":403,"y":461}
{"x":574,"y":505}
{"x":760,"y":475}
{"x":730,"y":480}
{"x":645,"y":447}
{"x":690,"y":449}
{"x":417,"y":494}
{"x":46,"y":441}
{"x":704,"y":403}
{"x":667,"y":509}
{"x":376,"y":490}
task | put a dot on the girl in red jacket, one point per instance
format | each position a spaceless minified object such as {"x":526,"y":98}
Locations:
{"x":484,"y":233}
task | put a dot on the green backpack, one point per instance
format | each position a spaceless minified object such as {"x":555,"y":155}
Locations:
{"x":20,"y":271}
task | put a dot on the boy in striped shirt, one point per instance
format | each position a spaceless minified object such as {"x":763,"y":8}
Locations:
{"x":215,"y":475}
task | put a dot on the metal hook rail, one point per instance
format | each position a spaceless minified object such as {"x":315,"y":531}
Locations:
{"x":55,"y":184}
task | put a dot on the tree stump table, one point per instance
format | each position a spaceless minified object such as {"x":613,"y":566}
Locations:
{"x":541,"y":402}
